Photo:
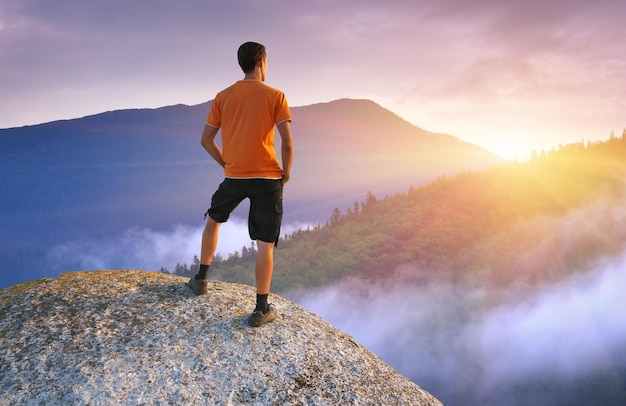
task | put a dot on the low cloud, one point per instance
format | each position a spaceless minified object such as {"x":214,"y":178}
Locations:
{"x":144,"y":248}
{"x":447,"y":340}
{"x":569,"y":329}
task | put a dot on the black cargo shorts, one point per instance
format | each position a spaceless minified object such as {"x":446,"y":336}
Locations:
{"x":266,"y":205}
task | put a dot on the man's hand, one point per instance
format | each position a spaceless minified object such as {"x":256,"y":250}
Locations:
{"x":285,"y":178}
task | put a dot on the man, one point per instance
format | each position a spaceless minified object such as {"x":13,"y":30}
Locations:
{"x":246,"y":113}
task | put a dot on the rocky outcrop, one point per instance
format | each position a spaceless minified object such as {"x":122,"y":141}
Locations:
{"x":133,"y":337}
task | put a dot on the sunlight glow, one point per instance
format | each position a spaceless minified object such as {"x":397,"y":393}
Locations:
{"x":510,"y":150}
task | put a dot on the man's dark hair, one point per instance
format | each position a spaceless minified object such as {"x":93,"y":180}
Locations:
{"x":249,"y":54}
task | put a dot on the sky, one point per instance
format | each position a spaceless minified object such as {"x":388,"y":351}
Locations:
{"x":510,"y":76}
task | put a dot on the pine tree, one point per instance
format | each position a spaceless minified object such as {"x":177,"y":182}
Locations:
{"x":195,"y":265}
{"x":335,"y":217}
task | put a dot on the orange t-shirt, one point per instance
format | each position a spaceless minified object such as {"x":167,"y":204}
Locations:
{"x":247,"y":112}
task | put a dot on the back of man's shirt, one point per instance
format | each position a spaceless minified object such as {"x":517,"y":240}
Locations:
{"x":247,"y":112}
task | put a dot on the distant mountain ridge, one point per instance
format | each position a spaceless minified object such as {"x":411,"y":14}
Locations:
{"x":373,"y":149}
{"x":97,"y":176}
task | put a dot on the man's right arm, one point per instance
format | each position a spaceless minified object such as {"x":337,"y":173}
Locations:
{"x":284,"y":129}
{"x":209,"y":144}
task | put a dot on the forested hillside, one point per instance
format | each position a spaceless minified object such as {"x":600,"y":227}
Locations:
{"x":468,"y":227}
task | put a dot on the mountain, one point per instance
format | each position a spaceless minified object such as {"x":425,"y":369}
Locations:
{"x":98,"y":176}
{"x":143,"y":338}
{"x":361,"y":147}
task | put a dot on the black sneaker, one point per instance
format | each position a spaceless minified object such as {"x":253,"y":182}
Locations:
{"x":199,"y":286}
{"x":258,"y":318}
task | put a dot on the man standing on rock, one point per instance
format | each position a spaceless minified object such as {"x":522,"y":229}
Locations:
{"x":246,"y":113}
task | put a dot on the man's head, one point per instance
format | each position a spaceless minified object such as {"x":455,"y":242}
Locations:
{"x":249,"y":54}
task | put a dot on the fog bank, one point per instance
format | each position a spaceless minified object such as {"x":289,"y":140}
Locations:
{"x":444,"y":338}
{"x":147,"y":249}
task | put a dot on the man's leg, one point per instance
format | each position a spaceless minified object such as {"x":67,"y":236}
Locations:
{"x":209,"y":241}
{"x":264,"y":267}
{"x":263,"y":313}
{"x":198,"y":283}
